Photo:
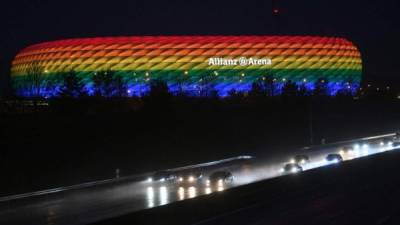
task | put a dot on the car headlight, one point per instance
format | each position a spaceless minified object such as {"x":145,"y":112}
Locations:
{"x":162,"y":179}
{"x":294,"y":170}
{"x":149,"y":179}
{"x":191,"y":179}
{"x":292,"y":161}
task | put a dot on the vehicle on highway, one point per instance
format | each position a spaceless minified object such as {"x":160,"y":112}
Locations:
{"x":300,"y":159}
{"x":162,"y":176}
{"x":346,"y":150}
{"x":397,"y":136}
{"x":386,"y":141}
{"x":189,"y":177}
{"x":291,"y":168}
{"x":396,"y":144}
{"x":220,"y":177}
{"x":334,"y":158}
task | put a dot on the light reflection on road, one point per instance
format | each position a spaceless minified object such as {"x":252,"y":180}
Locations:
{"x":157,"y":196}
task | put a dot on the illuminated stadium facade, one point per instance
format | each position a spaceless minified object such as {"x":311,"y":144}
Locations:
{"x":189,"y":63}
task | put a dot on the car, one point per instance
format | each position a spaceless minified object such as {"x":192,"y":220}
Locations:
{"x":292,"y":168}
{"x":162,"y":176}
{"x":334,"y":158}
{"x":346,"y":150}
{"x":397,"y":136}
{"x":189,"y":177}
{"x":396,"y":144}
{"x":220,"y":177}
{"x":300,"y":159}
{"x":386,"y":141}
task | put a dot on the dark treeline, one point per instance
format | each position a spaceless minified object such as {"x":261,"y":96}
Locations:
{"x":38,"y":84}
{"x":109,"y":92}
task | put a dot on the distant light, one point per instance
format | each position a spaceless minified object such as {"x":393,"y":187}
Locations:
{"x":162,"y":179}
{"x":242,"y":74}
{"x":147,"y":74}
{"x":304,"y":80}
{"x":186,"y":72}
{"x":275,"y":11}
{"x":149,"y":179}
{"x":294,"y":170}
{"x":191,"y":179}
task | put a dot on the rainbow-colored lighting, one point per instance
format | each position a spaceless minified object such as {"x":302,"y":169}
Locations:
{"x":185,"y":62}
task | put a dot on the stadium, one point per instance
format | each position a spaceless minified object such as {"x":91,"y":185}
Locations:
{"x":189,"y":64}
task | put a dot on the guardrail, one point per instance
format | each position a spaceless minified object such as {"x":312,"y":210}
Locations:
{"x":68,"y":188}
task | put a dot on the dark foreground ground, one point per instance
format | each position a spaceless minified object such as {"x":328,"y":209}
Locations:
{"x":362,"y":191}
{"x":57,"y":147}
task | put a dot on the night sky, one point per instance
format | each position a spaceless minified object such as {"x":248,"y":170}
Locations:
{"x":372,"y":25}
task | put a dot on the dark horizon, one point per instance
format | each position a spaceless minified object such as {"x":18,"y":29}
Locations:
{"x":372,"y":25}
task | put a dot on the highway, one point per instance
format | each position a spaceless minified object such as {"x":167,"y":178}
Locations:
{"x":96,"y":201}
